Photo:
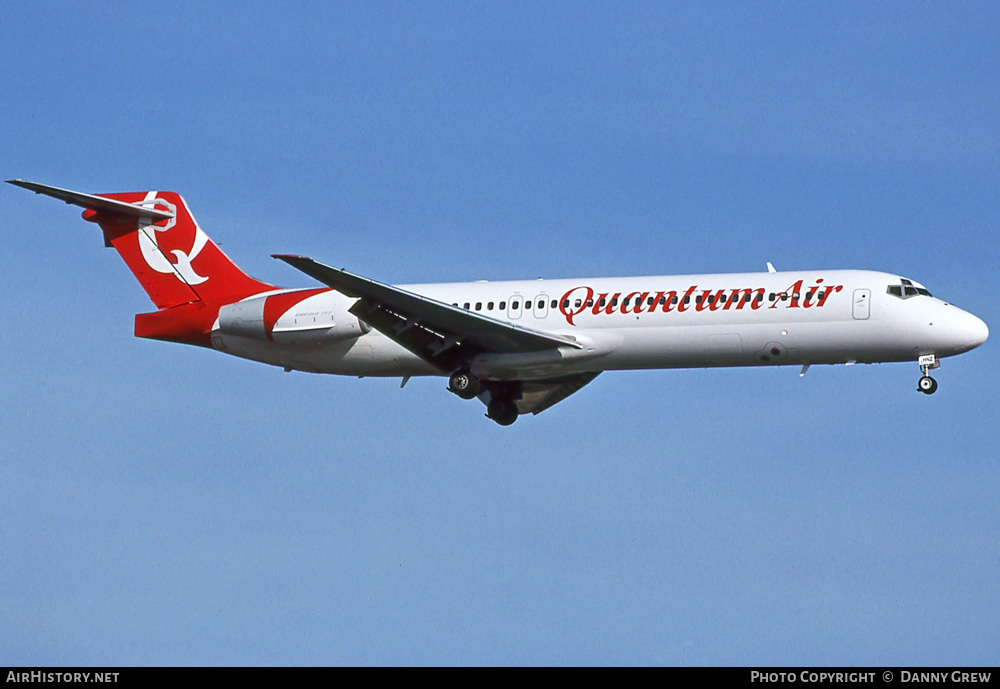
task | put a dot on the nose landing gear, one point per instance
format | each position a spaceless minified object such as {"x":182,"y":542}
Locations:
{"x":926,"y":384}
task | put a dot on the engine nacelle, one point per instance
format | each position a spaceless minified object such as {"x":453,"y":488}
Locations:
{"x":300,"y":317}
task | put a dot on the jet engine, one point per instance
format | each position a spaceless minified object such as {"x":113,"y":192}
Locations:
{"x":291,"y":318}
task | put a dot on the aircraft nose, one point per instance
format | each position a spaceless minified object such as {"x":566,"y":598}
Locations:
{"x":966,"y":331}
{"x":958,"y":331}
{"x":976,"y":331}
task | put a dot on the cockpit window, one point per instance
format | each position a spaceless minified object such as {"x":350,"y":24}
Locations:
{"x":906,"y":289}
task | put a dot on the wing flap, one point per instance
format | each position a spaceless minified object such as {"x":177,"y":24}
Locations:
{"x":539,"y":395}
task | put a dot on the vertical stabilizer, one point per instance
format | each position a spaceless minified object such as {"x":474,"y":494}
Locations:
{"x":160,"y":241}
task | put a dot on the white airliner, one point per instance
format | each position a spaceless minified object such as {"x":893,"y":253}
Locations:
{"x":518,"y":346}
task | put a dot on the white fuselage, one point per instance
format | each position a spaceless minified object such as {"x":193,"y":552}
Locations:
{"x":674,"y":321}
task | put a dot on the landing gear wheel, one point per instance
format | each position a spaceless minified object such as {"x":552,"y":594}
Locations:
{"x":927,"y":385}
{"x":502,"y":410}
{"x":464,"y":384}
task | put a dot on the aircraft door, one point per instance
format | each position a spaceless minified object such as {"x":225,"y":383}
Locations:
{"x":862,"y":304}
{"x":541,"y":306}
{"x":514,"y":307}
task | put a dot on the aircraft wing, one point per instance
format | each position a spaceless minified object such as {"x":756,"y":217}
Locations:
{"x":539,"y":395}
{"x":443,"y":335}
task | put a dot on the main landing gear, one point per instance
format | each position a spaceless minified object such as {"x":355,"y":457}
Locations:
{"x":502,"y":405}
{"x":465,"y":385}
{"x":503,"y":410}
{"x":926,"y":384}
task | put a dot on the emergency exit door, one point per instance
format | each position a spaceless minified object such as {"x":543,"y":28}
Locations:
{"x":862,"y":304}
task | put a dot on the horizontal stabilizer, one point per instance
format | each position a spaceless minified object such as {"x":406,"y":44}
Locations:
{"x":92,"y":202}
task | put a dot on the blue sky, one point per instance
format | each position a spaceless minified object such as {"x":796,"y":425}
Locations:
{"x":170,"y":505}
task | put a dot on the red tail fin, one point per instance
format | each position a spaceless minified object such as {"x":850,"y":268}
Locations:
{"x":173,"y":259}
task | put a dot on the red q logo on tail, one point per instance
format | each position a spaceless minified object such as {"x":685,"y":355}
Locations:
{"x":173,"y":259}
{"x":155,"y":254}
